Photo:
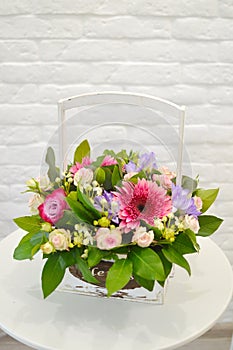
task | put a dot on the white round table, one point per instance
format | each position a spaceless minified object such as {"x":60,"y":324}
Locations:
{"x":68,"y":321}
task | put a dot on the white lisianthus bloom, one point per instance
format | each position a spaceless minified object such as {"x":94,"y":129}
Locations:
{"x":34,"y":203}
{"x":60,"y":239}
{"x":83,"y":177}
{"x":44,"y":183}
{"x":190,"y":222}
{"x":142,"y":237}
{"x":108,"y":239}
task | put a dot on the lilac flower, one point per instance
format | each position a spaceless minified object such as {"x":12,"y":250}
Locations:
{"x":182,"y":202}
{"x":146,"y":161}
{"x":107,"y":202}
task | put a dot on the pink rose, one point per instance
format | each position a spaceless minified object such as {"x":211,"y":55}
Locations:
{"x":53,"y":207}
{"x":142,"y":237}
{"x":108,"y":160}
{"x":108,"y":239}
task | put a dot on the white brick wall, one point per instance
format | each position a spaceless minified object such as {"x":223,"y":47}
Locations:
{"x":180,"y":50}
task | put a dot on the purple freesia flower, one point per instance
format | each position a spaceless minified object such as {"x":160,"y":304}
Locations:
{"x":182,"y":202}
{"x":107,"y":202}
{"x":146,"y":161}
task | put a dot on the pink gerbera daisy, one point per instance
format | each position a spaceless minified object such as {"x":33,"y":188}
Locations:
{"x":142,"y":201}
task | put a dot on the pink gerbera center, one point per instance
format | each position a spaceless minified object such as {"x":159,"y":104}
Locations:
{"x":142,"y":201}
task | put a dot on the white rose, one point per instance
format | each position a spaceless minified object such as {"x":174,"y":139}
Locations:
{"x":142,"y":237}
{"x":34,"y":203}
{"x":83,"y":176}
{"x":47,"y":248}
{"x":190,"y":222}
{"x":60,"y":239}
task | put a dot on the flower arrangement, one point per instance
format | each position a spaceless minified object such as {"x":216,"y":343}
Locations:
{"x":121,"y":207}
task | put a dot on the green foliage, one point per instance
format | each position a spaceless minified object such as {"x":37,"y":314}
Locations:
{"x":29,"y":223}
{"x":185,"y":243}
{"x":172,"y":255}
{"x":208,"y":225}
{"x":85,"y":201}
{"x":95,"y":255}
{"x":29,"y":245}
{"x":53,"y":171}
{"x":83,"y":267}
{"x":118,"y":275}
{"x":80,"y":211}
{"x":146,"y":264}
{"x":116,"y":178}
{"x":100,"y":175}
{"x":83,"y":150}
{"x":148,"y":284}
{"x":207,"y":196}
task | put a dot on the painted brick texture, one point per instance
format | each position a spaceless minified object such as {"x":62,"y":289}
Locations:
{"x":178,"y":50}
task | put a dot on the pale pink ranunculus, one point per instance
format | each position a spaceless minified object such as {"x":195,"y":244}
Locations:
{"x":108,"y":239}
{"x":198,"y":202}
{"x":191,"y":222}
{"x":108,"y":160}
{"x":60,"y":239}
{"x":34,"y":203}
{"x":85,"y":162}
{"x":53,"y":207}
{"x":142,"y":237}
{"x":83,"y":176}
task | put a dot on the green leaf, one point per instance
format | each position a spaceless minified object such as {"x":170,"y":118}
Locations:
{"x":147,"y":264}
{"x":23,"y":251}
{"x":108,"y":179}
{"x":68,"y":220}
{"x":53,"y":171}
{"x":189,"y":183}
{"x":193,"y":238}
{"x":29,"y":223}
{"x":185,"y":244}
{"x":80,"y":211}
{"x":95,"y":255}
{"x":208,"y":225}
{"x":148,"y":284}
{"x":116,"y":178}
{"x":167,"y":265}
{"x":53,"y":273}
{"x":83,"y":150}
{"x":83,"y":267}
{"x":88,"y":205}
{"x":118,"y":275}
{"x":100,"y":175}
{"x":207,"y":196}
{"x":172,"y":255}
{"x":29,"y":245}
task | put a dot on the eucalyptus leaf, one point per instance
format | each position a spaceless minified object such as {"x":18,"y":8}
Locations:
{"x":189,"y":183}
{"x":118,"y":275}
{"x":53,"y":171}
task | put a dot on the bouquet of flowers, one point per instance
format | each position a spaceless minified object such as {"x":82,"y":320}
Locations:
{"x":120,"y":207}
